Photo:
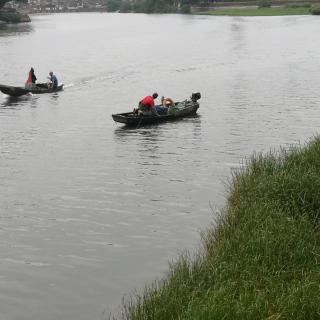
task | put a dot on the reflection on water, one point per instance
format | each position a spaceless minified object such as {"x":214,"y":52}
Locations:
{"x":122,"y":128}
{"x":89,"y":209}
{"x":15,"y":29}
{"x":55,"y":98}
{"x":14,"y":102}
{"x":29,"y":99}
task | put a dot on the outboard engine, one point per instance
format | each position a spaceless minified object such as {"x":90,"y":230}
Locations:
{"x":195,"y":96}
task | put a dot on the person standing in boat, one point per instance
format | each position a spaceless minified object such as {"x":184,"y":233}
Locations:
{"x":31,"y":81}
{"x":146,"y":105}
{"x":53,"y":80}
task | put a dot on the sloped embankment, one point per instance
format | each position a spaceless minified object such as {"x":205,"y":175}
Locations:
{"x":262,"y":260}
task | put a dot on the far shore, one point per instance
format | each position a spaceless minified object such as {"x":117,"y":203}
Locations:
{"x":252,"y":8}
{"x":255,"y":10}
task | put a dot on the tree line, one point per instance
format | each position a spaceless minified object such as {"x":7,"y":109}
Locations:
{"x":3,"y":2}
{"x":152,"y":6}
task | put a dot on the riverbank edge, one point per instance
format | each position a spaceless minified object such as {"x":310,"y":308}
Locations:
{"x":13,"y":17}
{"x":260,"y":259}
{"x":254,"y":10}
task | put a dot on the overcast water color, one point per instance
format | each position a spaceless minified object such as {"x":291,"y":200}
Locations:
{"x":88,"y":210}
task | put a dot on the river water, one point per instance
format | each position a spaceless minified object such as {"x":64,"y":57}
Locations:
{"x":90,"y":211}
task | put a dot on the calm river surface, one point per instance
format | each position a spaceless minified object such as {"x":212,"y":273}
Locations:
{"x":90,"y":211}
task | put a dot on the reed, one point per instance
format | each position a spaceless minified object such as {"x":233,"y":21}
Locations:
{"x":261,"y":259}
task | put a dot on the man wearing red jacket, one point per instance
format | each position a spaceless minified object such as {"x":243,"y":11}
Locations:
{"x":147,"y":104}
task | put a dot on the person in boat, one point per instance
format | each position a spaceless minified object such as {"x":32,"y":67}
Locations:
{"x":53,"y":80}
{"x":162,"y":109}
{"x":146,"y":105}
{"x":167,"y":102}
{"x":31,"y":81}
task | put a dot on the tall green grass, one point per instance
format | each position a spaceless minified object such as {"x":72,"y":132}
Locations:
{"x":261,"y":259}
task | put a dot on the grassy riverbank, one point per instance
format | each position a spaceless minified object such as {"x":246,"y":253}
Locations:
{"x":247,"y":11}
{"x":262,"y":260}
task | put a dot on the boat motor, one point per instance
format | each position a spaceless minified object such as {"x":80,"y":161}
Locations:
{"x":195,"y":96}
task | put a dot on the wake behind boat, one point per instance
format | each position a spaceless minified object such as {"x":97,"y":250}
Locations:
{"x":37,"y":89}
{"x":179,"y":110}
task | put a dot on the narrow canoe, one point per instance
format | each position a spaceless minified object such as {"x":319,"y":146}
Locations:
{"x":20,"y":91}
{"x":185,"y":108}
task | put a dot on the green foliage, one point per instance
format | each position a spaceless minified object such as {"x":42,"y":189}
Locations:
{"x":139,"y":6}
{"x":185,"y":9}
{"x":150,"y":6}
{"x":13,"y":17}
{"x":274,"y":11}
{"x":3,"y":2}
{"x":315,"y":10}
{"x":113,"y":5}
{"x":261,"y":259}
{"x":159,"y":6}
{"x":298,"y":5}
{"x":264,"y":4}
{"x":125,"y":7}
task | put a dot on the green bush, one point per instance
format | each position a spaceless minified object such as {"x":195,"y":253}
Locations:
{"x":315,"y":10}
{"x":125,"y":7}
{"x":139,"y":6}
{"x":264,"y":4}
{"x":185,"y":9}
{"x":113,"y":5}
{"x":10,"y":17}
{"x":3,"y":2}
{"x":153,"y":6}
{"x":297,"y":5}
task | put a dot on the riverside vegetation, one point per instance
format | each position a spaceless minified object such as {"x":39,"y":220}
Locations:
{"x":259,"y":11}
{"x":151,"y":6}
{"x":11,"y":15}
{"x":261,"y":260}
{"x":265,"y":9}
{"x":247,"y":8}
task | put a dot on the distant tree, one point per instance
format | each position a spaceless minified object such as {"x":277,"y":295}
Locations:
{"x":112,"y":5}
{"x":126,"y":6}
{"x":264,"y":4}
{"x":186,"y":9}
{"x":3,"y":2}
{"x":162,"y":6}
{"x":138,"y":6}
{"x":158,"y":6}
{"x":315,"y":9}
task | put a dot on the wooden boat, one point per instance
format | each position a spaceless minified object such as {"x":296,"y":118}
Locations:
{"x":20,"y":91}
{"x":182,"y":109}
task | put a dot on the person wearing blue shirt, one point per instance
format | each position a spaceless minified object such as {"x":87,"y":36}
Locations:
{"x":53,"y":79}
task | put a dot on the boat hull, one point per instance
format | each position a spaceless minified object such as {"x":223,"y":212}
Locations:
{"x":132,"y":119}
{"x":20,"y":91}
